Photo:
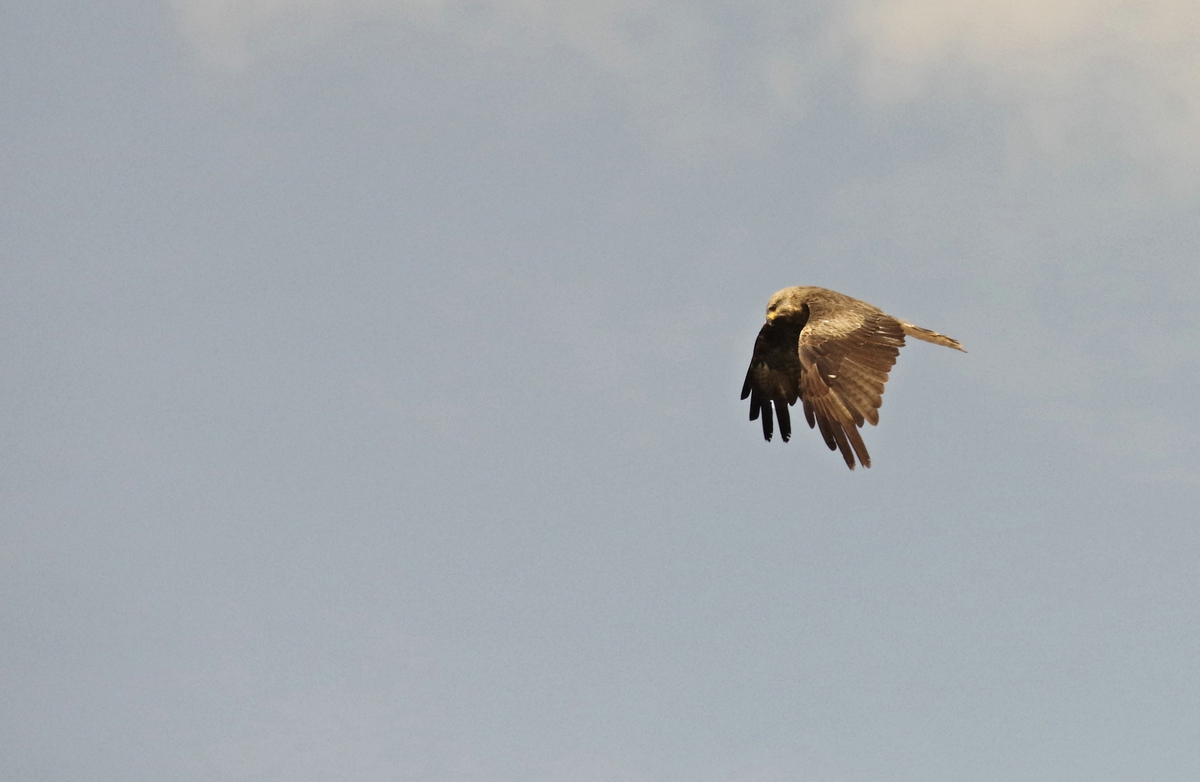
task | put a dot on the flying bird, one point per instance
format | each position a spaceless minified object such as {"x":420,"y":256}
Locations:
{"x":833,"y":353}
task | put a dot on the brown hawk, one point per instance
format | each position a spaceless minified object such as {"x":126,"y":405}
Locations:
{"x":833,"y":353}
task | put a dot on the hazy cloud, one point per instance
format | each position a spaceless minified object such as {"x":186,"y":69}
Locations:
{"x":1077,"y":75}
{"x":694,"y":78}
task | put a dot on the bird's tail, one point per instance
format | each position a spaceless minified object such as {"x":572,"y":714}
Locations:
{"x":930,"y":336}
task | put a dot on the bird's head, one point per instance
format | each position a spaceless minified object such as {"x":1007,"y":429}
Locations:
{"x":786,"y":304}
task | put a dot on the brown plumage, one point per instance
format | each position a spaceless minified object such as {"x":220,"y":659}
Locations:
{"x":833,"y":353}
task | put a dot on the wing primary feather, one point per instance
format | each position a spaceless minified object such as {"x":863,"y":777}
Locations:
{"x":824,"y":424}
{"x":785,"y":419}
{"x":839,"y":434}
{"x":860,"y":447}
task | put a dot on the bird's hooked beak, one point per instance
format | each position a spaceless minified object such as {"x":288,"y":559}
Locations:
{"x":771,"y":315}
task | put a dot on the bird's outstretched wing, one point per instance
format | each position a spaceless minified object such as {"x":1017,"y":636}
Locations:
{"x":774,"y":375}
{"x":844,"y":361}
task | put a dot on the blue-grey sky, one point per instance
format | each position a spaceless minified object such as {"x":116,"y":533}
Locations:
{"x":369,"y":378}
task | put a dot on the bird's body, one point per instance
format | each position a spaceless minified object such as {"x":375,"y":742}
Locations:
{"x":834,"y":354}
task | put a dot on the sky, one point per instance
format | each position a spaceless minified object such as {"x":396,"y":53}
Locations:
{"x":369,"y":378}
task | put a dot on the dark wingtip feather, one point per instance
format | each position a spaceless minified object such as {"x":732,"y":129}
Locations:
{"x":785,"y":419}
{"x":826,"y":433}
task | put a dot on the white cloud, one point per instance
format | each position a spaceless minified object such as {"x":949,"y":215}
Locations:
{"x":1075,"y":75}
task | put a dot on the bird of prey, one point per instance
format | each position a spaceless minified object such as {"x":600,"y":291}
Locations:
{"x":833,"y":353}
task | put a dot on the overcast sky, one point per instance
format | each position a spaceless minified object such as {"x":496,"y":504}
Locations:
{"x":369,"y":378}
